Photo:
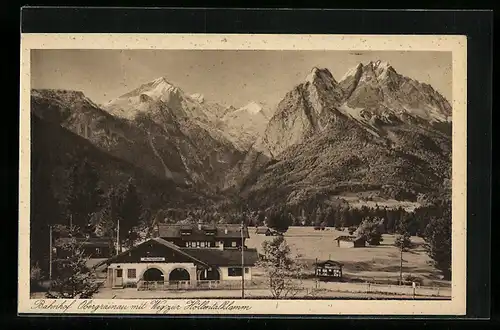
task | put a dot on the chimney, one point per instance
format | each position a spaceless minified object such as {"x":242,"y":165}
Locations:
{"x":225,"y":231}
{"x":199,"y":225}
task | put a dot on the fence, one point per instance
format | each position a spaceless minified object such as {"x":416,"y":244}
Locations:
{"x":304,"y":285}
{"x":407,"y":290}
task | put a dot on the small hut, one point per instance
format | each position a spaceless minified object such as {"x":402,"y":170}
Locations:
{"x":328,"y":270}
{"x":263,"y":231}
{"x":350,"y":241}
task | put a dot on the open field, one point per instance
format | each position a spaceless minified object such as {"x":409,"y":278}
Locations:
{"x":372,"y":263}
{"x":360,"y":199}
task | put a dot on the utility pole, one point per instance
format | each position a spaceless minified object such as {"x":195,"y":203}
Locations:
{"x":118,"y":237}
{"x":242,"y":261}
{"x":50,"y":252}
{"x":401,"y":265}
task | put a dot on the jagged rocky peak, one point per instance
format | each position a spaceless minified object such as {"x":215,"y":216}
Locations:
{"x":352,"y":72}
{"x":321,"y":76}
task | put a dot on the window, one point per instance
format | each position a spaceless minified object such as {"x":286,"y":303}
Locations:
{"x":233,"y":243}
{"x":202,"y":244}
{"x":98,"y":251}
{"x":131,"y":273}
{"x":197,"y":244}
{"x":119,"y":273}
{"x":234,"y":271}
{"x":217,"y":244}
{"x":247,"y":270}
{"x":188,"y":244}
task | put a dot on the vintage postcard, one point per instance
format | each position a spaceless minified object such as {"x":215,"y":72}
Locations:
{"x":242,"y":174}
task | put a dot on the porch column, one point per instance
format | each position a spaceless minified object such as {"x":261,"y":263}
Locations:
{"x":193,"y":276}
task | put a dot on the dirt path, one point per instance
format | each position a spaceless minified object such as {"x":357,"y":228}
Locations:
{"x":235,"y":294}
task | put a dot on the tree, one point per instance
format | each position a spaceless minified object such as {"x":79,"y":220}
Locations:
{"x":283,"y":270}
{"x":278,"y":220}
{"x":85,"y":197}
{"x":371,"y":230}
{"x":438,"y":243}
{"x":403,"y":241}
{"x":73,"y":278}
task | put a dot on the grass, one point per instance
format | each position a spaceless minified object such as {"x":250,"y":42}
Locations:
{"x":378,"y":264}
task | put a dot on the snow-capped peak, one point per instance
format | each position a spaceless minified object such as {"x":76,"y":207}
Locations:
{"x":252,"y":107}
{"x":200,"y":98}
{"x":160,"y":88}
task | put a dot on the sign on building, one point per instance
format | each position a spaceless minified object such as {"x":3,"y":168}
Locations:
{"x":153,"y":259}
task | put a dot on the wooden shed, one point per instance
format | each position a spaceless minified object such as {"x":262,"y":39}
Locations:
{"x":350,"y":241}
{"x":263,"y":231}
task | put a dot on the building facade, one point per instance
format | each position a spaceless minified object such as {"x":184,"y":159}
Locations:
{"x":328,"y":270}
{"x":185,"y":255}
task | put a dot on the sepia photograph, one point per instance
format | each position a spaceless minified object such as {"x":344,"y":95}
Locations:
{"x":221,"y":176}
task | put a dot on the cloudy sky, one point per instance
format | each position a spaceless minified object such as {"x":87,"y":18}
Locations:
{"x":228,"y":77}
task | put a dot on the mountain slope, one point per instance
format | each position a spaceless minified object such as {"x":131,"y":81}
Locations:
{"x":54,"y":150}
{"x":161,"y":139}
{"x":191,"y":123}
{"x":366,"y":132}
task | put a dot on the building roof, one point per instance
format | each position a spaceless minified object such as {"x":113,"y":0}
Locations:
{"x":328,"y":262}
{"x":262,"y":230}
{"x":231,"y":257}
{"x":174,"y":231}
{"x":159,"y":241}
{"x":349,"y":238}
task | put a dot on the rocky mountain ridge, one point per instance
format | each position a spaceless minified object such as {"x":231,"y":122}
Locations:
{"x":374,"y":129}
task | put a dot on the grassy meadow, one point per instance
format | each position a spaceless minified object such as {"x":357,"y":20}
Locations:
{"x":379,"y":264}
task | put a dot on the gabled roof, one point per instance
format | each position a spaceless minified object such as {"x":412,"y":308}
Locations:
{"x":159,"y":241}
{"x":328,"y":262}
{"x":349,"y":238}
{"x":262,"y":230}
{"x":174,"y":230}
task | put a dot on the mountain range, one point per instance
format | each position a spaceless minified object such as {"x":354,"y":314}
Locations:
{"x":373,"y":130}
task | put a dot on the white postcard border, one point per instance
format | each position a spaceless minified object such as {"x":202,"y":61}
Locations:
{"x":455,"y":44}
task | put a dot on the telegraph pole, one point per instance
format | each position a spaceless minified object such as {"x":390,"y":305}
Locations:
{"x":118,"y":237}
{"x":242,"y":261}
{"x":50,"y":252}
{"x":401,"y":266}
